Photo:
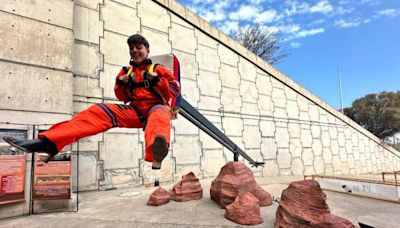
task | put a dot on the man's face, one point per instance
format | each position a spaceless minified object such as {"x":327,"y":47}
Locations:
{"x":138,"y":52}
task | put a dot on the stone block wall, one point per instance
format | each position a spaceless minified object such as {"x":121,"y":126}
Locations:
{"x":77,"y":47}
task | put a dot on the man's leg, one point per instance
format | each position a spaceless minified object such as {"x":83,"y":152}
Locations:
{"x":157,"y":135}
{"x":97,"y":118}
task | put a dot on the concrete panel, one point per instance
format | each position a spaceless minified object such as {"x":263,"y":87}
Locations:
{"x":313,"y":112}
{"x":282,"y":137}
{"x":264,"y":85}
{"x":185,"y":169}
{"x":248,"y":91}
{"x":188,"y":64}
{"x":115,"y":49}
{"x":87,"y":24}
{"x":280,"y":112}
{"x":295,"y":147}
{"x":186,"y":149}
{"x":297,"y":166}
{"x":279,"y":98}
{"x":53,"y":12}
{"x":317,"y":147}
{"x":159,"y":43}
{"x":290,"y":94}
{"x":121,"y":178}
{"x":35,"y":89}
{"x":121,"y":151}
{"x":292,"y":109}
{"x":207,"y":142}
{"x":88,"y":87}
{"x":88,"y":172}
{"x":247,"y":70}
{"x":92,"y":4}
{"x":284,"y":158}
{"x":302,"y":103}
{"x":211,"y":162}
{"x":227,"y":56}
{"x":251,"y":137}
{"x":190,"y":91}
{"x":307,"y":156}
{"x":208,"y":58}
{"x":91,"y":143}
{"x":230,"y":99}
{"x":232,"y":126}
{"x":184,"y":127}
{"x":119,"y":18}
{"x":32,"y":117}
{"x":154,"y":16}
{"x":130,"y":3}
{"x":250,"y":109}
{"x":210,"y":103}
{"x":205,"y":40}
{"x":177,"y":20}
{"x":267,"y":128}
{"x":269,"y":148}
{"x":183,"y":38}
{"x":87,"y":60}
{"x":265,"y":105}
{"x":229,"y":76}
{"x":49,"y":45}
{"x":209,"y":83}
{"x":270,"y":168}
{"x":107,"y":79}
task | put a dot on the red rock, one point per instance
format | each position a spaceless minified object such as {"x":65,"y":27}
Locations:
{"x":244,"y":210}
{"x":189,"y":188}
{"x":234,"y":179}
{"x":303,"y":204}
{"x":159,"y":197}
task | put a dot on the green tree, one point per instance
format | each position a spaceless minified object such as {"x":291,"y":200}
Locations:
{"x":378,"y":113}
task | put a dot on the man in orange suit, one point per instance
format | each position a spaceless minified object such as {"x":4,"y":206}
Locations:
{"x":146,"y":88}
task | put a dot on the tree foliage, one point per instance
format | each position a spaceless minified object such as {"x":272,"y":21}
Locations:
{"x":378,"y":113}
{"x":262,"y":41}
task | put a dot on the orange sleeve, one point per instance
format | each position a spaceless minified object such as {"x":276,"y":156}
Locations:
{"x":120,"y":92}
{"x":167,"y":85}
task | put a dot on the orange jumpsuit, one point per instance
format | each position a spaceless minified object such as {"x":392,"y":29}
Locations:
{"x":103,"y":116}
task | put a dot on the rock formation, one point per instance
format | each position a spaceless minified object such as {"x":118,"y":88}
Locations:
{"x":244,"y":210}
{"x":234,"y":179}
{"x":189,"y":188}
{"x":303,"y":205}
{"x":159,"y":197}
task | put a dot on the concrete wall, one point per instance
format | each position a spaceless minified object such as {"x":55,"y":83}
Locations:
{"x":78,"y":47}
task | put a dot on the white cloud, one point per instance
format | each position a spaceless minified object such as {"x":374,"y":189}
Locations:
{"x":311,"y":32}
{"x":387,"y":12}
{"x":321,"y":7}
{"x":289,"y":28}
{"x":347,"y":24}
{"x":295,"y":44}
{"x":213,"y":16}
{"x":244,"y":13}
{"x":266,"y":16}
{"x":344,"y":10}
{"x":229,"y":27}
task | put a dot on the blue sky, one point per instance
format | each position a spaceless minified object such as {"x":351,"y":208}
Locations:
{"x":362,"y":37}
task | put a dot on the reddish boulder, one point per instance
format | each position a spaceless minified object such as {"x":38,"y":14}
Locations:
{"x":244,"y":210}
{"x":189,"y":188}
{"x":234,"y":179}
{"x":159,"y":197}
{"x":303,"y":204}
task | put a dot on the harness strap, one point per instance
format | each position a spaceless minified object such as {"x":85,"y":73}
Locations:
{"x":141,"y":117}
